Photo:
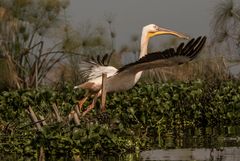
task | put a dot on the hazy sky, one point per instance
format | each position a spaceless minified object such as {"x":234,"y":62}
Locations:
{"x":187,"y":16}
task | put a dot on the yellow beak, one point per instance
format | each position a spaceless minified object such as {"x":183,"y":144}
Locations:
{"x":163,"y":31}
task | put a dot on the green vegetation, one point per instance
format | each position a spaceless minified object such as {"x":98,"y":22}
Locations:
{"x":40,"y":47}
{"x":142,"y":118}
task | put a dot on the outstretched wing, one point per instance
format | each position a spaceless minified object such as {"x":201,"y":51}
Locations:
{"x":102,"y":60}
{"x":166,"y":58}
{"x":93,"y":68}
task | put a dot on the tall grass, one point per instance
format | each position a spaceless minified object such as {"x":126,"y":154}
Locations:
{"x":204,"y":68}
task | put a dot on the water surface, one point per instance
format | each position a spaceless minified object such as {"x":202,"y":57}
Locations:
{"x":176,"y":144}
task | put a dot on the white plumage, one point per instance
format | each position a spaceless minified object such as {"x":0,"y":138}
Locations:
{"x":127,"y":76}
{"x":90,"y":70}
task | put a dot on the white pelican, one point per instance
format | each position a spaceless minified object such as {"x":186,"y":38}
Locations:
{"x":127,"y":76}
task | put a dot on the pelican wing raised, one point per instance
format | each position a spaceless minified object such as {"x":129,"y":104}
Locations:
{"x":166,"y":58}
{"x":93,"y":68}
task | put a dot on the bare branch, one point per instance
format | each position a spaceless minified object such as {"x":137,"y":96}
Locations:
{"x":34,"y":118}
{"x":56,"y":112}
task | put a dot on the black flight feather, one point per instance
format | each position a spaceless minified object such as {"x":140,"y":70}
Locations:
{"x":190,"y":50}
{"x":100,"y":60}
{"x":104,"y":60}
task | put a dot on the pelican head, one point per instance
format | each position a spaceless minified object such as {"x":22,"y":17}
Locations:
{"x":154,"y":30}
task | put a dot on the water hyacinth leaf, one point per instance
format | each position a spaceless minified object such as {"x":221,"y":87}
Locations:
{"x":137,"y":118}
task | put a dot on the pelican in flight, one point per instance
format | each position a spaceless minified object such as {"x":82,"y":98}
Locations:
{"x":127,"y":76}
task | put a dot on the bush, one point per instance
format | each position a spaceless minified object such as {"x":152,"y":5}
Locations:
{"x":141,"y":118}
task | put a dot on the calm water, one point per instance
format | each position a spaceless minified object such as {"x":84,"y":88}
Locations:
{"x":202,"y":144}
{"x":196,"y":154}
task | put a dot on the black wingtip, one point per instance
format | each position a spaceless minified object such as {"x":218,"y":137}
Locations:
{"x":101,"y":60}
{"x":193,"y":49}
{"x":198,"y":48}
{"x":104,"y":59}
{"x":190,"y":50}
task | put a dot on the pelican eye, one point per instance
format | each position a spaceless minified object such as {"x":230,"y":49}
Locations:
{"x":156,"y":27}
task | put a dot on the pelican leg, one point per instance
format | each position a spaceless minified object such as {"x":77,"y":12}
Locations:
{"x":79,"y":106}
{"x":90,"y":107}
{"x":82,"y":101}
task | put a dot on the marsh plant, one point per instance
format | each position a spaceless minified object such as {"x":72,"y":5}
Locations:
{"x":24,"y":49}
{"x":140,"y":119}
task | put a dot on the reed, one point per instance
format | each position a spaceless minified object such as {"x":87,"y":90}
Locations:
{"x":204,"y":69}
